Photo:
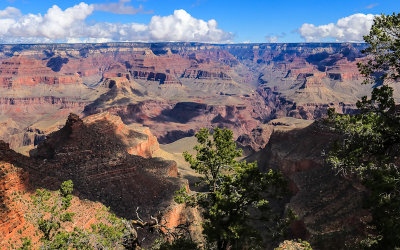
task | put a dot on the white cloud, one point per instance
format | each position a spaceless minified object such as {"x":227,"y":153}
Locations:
{"x":121,"y":8}
{"x":274,"y":38}
{"x":181,"y":26}
{"x":56,"y":24}
{"x":371,"y":6}
{"x":69,"y":25}
{"x":10,"y":12}
{"x":347,"y":29}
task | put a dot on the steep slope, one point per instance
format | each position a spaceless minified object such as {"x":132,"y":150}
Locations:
{"x":100,"y":155}
{"x":17,"y":216}
{"x":329,"y":207}
{"x":95,"y":153}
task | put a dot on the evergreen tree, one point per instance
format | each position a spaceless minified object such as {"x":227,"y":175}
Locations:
{"x":370,"y":148}
{"x":235,"y":192}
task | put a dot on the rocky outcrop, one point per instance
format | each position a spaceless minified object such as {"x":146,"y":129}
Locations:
{"x":329,"y":207}
{"x":256,"y":140}
{"x":138,"y":140}
{"x":94,"y":153}
{"x":100,"y":155}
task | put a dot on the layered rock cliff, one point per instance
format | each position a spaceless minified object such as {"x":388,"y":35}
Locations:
{"x":249,"y":84}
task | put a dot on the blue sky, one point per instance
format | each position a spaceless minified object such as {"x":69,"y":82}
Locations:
{"x":189,"y":20}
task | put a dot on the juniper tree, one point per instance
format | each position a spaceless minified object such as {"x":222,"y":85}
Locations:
{"x":369,"y":150}
{"x":235,"y":192}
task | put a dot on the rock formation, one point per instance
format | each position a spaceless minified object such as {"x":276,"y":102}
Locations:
{"x":95,"y":154}
{"x":103,"y":158}
{"x":329,"y":207}
{"x":249,"y":84}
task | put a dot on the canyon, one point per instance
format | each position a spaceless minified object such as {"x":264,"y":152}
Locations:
{"x":174,"y":88}
{"x":115,"y":118}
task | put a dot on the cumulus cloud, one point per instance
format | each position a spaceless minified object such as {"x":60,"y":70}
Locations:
{"x":274,"y":38}
{"x":70,"y":25}
{"x":56,"y":24}
{"x":10,"y":12}
{"x":121,"y":8}
{"x":181,"y":26}
{"x":347,"y":29}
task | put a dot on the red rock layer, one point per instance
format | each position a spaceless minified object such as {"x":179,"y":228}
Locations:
{"x":17,"y":215}
{"x":13,"y":182}
{"x":63,"y":102}
{"x":21,"y":70}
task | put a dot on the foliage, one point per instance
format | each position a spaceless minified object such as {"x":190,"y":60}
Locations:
{"x":383,"y":50}
{"x":236,"y":192}
{"x":304,"y":244}
{"x":113,"y":232}
{"x":110,"y":232}
{"x":52,"y":213}
{"x":52,"y":216}
{"x":26,"y":244}
{"x":370,"y":146}
{"x":298,"y":244}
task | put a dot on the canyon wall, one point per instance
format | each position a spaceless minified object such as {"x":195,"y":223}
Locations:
{"x":175,"y":88}
{"x":328,"y":206}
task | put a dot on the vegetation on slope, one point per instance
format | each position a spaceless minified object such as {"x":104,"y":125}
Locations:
{"x":55,"y":225}
{"x":370,"y":149}
{"x":235,"y":194}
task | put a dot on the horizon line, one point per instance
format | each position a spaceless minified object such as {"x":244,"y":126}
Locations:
{"x":181,"y":42}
